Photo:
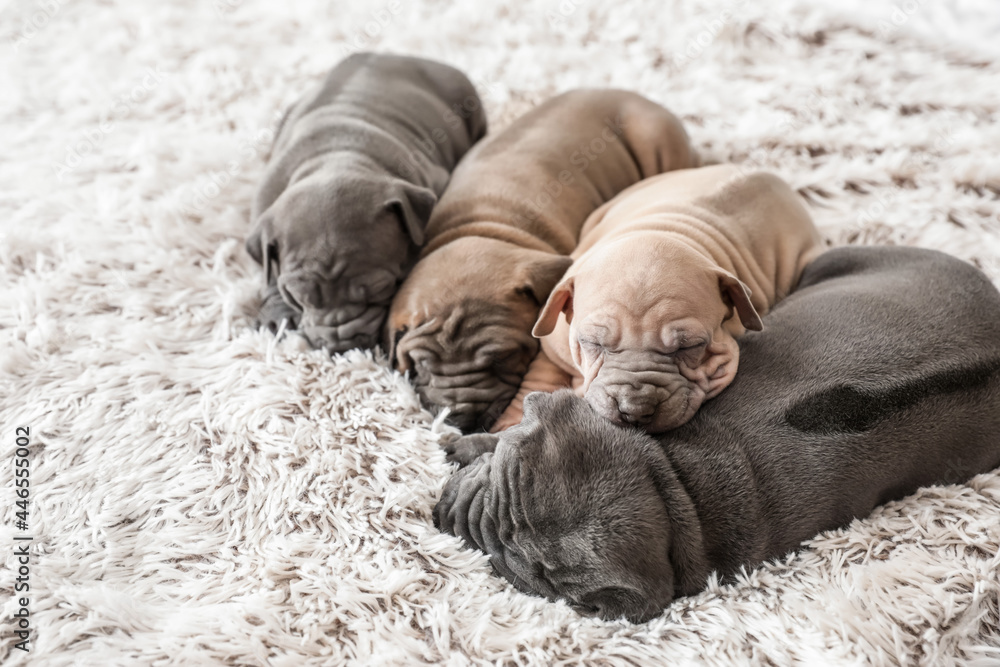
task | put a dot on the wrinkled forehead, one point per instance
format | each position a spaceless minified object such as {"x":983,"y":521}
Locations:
{"x":576,"y":511}
{"x":339,"y":266}
{"x":651,"y":306}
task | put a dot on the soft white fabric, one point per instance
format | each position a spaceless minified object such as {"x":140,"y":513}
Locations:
{"x":204,"y":495}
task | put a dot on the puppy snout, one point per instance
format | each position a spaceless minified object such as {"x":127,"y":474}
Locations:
{"x":624,"y":404}
{"x":635,"y":410}
{"x":334,"y":332}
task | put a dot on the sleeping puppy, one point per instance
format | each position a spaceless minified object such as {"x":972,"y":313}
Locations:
{"x":498,"y":241}
{"x":667,"y":276}
{"x":879,"y":375}
{"x":357,"y":166}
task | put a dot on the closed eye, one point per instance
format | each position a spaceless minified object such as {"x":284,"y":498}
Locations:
{"x":691,"y":344}
{"x":373,"y":289}
{"x":383,"y":290}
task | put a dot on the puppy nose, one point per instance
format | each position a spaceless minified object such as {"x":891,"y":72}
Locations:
{"x":635,"y":413}
{"x":634,"y":420}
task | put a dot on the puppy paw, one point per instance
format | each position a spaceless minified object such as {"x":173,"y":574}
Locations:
{"x":274,"y":309}
{"x":468,"y":448}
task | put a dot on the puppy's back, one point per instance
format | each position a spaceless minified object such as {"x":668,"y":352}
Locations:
{"x":879,"y":375}
{"x":550,"y":168}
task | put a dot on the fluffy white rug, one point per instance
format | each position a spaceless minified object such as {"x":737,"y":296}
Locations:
{"x":203,"y":495}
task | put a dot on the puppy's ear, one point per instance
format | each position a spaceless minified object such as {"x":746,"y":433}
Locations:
{"x":254,"y":244}
{"x":264,"y":251}
{"x":735,"y":292}
{"x":687,"y":545}
{"x":413,"y":205}
{"x":391,"y":338}
{"x":538,"y":273}
{"x":560,"y":301}
{"x":272,"y":267}
{"x":300,"y":289}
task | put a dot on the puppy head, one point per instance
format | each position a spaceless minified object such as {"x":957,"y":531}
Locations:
{"x":646,"y":321}
{"x":570,"y":506}
{"x":338,"y":246}
{"x":461,"y":324}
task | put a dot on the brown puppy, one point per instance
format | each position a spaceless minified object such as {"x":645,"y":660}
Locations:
{"x":498,"y":241}
{"x":667,"y":276}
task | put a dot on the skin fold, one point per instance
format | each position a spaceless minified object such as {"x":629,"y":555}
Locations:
{"x":499,"y":240}
{"x":879,"y":375}
{"x":667,"y":276}
{"x":356,"y":168}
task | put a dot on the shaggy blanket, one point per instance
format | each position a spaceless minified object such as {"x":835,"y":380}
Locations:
{"x":202,"y":493}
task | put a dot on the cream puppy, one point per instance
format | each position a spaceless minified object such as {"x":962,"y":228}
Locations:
{"x":500,"y":239}
{"x":667,"y":276}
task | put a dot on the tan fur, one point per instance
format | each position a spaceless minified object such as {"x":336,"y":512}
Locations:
{"x":668,"y":260}
{"x":499,"y":238}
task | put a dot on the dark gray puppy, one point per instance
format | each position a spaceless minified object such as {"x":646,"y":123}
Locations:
{"x":357,"y":166}
{"x":879,"y":375}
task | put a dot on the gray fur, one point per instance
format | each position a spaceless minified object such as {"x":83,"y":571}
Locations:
{"x":879,"y":375}
{"x":356,"y":168}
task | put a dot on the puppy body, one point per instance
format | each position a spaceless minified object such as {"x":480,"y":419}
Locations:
{"x":499,"y":238}
{"x":666,"y":277}
{"x":879,"y":375}
{"x":357,"y":166}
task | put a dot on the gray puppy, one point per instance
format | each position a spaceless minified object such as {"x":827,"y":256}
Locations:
{"x":879,"y":375}
{"x":356,"y":168}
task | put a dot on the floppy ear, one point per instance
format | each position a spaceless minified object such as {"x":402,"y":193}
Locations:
{"x":687,"y":546}
{"x":264,"y":252}
{"x":391,"y":341}
{"x":539,"y":272}
{"x":271,"y":266}
{"x":560,"y":301}
{"x":253,"y":244}
{"x":413,"y":204}
{"x":738,"y":294}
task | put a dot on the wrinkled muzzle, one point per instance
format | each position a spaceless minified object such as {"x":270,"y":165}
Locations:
{"x":342,"y":329}
{"x":471,"y":508}
{"x":654,"y":397}
{"x":475,"y":378}
{"x":327,"y":319}
{"x":494,"y":504}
